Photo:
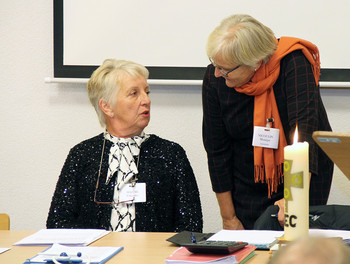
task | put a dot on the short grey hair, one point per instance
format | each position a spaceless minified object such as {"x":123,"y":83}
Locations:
{"x":241,"y":39}
{"x":106,"y":80}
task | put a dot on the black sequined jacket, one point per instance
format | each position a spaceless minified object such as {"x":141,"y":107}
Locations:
{"x":172,"y":205}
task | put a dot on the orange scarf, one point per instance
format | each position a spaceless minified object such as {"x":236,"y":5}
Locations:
{"x":268,"y":163}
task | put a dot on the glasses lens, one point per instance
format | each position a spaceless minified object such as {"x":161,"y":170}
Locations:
{"x":223,"y":72}
{"x":219,"y":68}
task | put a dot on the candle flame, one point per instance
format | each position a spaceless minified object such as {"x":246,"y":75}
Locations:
{"x":295,"y":140}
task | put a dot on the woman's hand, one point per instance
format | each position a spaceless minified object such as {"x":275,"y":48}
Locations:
{"x":232,"y":224}
{"x":227,"y":211}
{"x":280,"y":204}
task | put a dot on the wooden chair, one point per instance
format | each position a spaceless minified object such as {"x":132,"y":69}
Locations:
{"x":4,"y":222}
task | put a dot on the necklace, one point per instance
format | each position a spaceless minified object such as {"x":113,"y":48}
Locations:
{"x":134,"y":176}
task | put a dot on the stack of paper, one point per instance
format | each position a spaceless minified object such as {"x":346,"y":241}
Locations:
{"x":263,"y":239}
{"x":76,"y":237}
{"x":183,"y":256}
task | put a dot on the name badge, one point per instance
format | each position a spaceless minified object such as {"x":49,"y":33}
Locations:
{"x":266,"y":137}
{"x":133,"y":193}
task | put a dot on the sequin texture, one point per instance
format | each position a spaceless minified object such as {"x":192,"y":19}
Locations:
{"x":172,"y":205}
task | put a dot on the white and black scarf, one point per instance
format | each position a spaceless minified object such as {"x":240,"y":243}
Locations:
{"x":121,"y":161}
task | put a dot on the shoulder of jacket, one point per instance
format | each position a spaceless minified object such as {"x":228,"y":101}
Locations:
{"x":156,"y":141}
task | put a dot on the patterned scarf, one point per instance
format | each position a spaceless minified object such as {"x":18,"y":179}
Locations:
{"x":268,"y":163}
{"x":122,"y":162}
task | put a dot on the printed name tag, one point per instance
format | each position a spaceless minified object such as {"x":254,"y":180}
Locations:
{"x":133,"y":194}
{"x":266,"y":137}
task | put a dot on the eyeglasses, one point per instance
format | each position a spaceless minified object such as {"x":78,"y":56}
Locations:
{"x":225,"y":73}
{"x":113,"y":203}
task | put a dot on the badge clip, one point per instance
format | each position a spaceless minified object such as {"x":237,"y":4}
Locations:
{"x":269,"y":121}
{"x":133,"y":183}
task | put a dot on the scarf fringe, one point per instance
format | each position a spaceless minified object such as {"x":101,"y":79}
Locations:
{"x":272,"y":180}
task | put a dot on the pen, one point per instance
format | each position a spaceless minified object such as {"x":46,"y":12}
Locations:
{"x":193,"y":238}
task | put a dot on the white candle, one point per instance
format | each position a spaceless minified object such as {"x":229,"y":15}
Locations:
{"x":296,"y":189}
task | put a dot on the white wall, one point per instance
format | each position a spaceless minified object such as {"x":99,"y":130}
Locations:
{"x":40,"y":121}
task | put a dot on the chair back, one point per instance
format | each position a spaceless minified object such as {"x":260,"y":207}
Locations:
{"x":4,"y":222}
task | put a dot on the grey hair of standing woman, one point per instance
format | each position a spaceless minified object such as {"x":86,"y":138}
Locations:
{"x":242,"y":40}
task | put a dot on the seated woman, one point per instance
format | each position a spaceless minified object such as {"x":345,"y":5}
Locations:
{"x":125,"y":179}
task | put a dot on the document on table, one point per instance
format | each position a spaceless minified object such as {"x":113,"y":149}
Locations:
{"x":88,"y":254}
{"x":263,"y":239}
{"x":2,"y":250}
{"x":344,"y":234}
{"x":76,"y":237}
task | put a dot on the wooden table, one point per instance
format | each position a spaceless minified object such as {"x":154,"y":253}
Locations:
{"x":139,"y":247}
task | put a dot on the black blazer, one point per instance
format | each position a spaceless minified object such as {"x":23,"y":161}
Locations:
{"x":172,"y":205}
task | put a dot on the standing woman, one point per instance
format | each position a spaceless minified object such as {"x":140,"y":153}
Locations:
{"x":125,"y":179}
{"x":255,"y":80}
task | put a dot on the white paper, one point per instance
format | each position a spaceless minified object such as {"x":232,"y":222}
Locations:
{"x":2,"y":250}
{"x":252,"y":237}
{"x":92,"y":254}
{"x":63,"y":236}
{"x":344,"y":234}
{"x":267,"y":237}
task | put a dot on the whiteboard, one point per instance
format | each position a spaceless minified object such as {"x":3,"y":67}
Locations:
{"x":169,"y":37}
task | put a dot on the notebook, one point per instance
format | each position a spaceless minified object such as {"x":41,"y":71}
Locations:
{"x":183,"y":256}
{"x":93,"y":255}
{"x":337,"y":146}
